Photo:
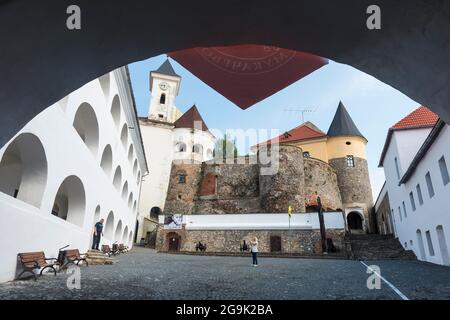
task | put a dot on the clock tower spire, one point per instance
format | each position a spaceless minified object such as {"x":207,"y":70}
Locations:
{"x":164,"y":87}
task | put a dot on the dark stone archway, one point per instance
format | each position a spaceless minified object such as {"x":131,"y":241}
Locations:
{"x":41,"y":61}
{"x":354,"y":221}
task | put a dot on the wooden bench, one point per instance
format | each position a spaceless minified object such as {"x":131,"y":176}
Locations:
{"x":123,"y":248}
{"x":36,"y":260}
{"x":74,"y":256}
{"x":107,"y":250}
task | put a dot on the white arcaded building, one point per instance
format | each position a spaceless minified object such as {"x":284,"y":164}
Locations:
{"x":79,"y":160}
{"x":416,"y":160}
{"x":168,"y":135}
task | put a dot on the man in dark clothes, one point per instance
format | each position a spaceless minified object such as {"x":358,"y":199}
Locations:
{"x":98,"y":232}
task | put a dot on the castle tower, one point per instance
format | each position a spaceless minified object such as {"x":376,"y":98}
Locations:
{"x":346,"y":148}
{"x":192,"y":138}
{"x":164,"y":85}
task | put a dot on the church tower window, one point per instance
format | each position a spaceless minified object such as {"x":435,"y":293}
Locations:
{"x":162,"y":99}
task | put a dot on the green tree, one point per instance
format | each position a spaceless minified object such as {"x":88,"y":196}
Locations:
{"x":225,"y":148}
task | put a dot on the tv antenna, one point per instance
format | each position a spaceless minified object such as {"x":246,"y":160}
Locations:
{"x":300,"y":111}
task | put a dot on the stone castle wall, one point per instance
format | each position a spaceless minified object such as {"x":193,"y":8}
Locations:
{"x":305,"y":242}
{"x":354,"y":184}
{"x":240,"y":188}
{"x":180,"y":196}
{"x":285,"y":187}
{"x":321,"y":180}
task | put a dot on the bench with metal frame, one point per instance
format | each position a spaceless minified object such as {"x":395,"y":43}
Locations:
{"x":123,"y":248}
{"x":36,"y":260}
{"x":106,"y":249}
{"x":74,"y":256}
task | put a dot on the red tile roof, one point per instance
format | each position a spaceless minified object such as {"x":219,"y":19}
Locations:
{"x":421,"y":117}
{"x":304,"y":131}
{"x":191,"y":119}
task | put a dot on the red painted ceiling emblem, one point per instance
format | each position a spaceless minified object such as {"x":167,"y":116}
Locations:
{"x":247,"y":74}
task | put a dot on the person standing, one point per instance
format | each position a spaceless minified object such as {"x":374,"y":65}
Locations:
{"x":254,"y":249}
{"x":98,"y":233}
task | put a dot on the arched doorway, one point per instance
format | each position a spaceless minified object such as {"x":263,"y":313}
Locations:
{"x":155,"y":212}
{"x":354,"y":221}
{"x":173,"y":242}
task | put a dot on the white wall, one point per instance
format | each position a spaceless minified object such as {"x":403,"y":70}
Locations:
{"x":260,"y":221}
{"x":158,"y":144}
{"x":190,"y":138}
{"x":27,"y":228}
{"x":435,"y":211}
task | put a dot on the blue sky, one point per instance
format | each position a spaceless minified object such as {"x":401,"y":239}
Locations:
{"x":373,"y":105}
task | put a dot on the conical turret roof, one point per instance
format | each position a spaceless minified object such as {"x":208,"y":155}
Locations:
{"x":342,"y":124}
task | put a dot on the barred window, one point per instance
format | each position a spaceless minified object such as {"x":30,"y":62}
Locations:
{"x":350,"y":161}
{"x":182,"y":178}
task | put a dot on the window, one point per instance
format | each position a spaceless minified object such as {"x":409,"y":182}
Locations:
{"x":180,"y":147}
{"x":429,"y":185}
{"x":400,"y":214}
{"x":404,"y":209}
{"x":411,"y":198}
{"x":350,"y":161}
{"x":162,"y":99}
{"x":306,"y":154}
{"x":348,"y":143}
{"x":419,"y":194}
{"x":160,"y":116}
{"x":444,"y":171}
{"x":182,"y":178}
{"x":397,"y":168}
{"x":430,"y":243}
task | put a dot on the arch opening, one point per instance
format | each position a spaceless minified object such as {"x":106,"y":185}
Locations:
{"x":130,"y":153}
{"x":354,"y":221}
{"x":109,"y":225}
{"x":118,"y":233}
{"x":125,"y":236}
{"x":107,"y":160}
{"x":86,"y":124}
{"x":124,"y":136}
{"x":125,"y":191}
{"x":115,"y":111}
{"x":23,"y":169}
{"x":117,"y":180}
{"x":70,"y":201}
{"x":130,"y":200}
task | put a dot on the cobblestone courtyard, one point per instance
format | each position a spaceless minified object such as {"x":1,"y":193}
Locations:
{"x":145,"y":274}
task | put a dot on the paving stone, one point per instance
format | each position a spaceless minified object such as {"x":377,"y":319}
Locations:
{"x":145,"y":274}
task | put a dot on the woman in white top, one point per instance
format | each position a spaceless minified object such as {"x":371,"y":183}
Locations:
{"x":254,"y":244}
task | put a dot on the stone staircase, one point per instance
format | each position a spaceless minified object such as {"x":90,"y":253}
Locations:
{"x":96,"y":257}
{"x":376,"y":247}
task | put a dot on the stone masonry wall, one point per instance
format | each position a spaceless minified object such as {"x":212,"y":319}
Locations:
{"x":285,"y":187}
{"x":180,"y":196}
{"x":321,"y":180}
{"x":236,"y":189}
{"x":305,"y":242}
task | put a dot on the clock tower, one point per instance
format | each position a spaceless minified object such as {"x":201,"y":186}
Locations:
{"x":164,"y":87}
